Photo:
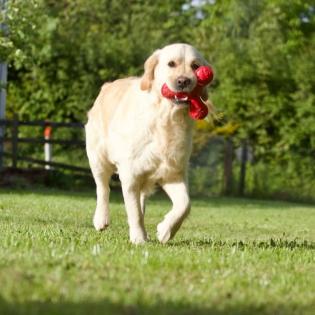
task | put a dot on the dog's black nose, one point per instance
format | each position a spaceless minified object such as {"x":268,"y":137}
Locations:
{"x":183,"y":82}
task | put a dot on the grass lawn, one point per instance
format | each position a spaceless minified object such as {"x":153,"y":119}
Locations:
{"x":231,"y":256}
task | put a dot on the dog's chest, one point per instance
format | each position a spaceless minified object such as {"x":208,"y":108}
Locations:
{"x":167,"y":149}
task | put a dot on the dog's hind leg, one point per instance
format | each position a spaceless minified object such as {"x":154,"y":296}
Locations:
{"x":142,"y":202}
{"x":146,"y":191}
{"x":178,"y":193}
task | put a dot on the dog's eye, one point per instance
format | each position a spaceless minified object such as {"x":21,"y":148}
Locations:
{"x":194,"y":66}
{"x":172,"y":64}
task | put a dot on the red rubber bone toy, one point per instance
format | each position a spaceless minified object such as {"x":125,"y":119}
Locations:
{"x":197,"y":108}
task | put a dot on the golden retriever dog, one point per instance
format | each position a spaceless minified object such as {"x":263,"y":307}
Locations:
{"x":146,"y":138}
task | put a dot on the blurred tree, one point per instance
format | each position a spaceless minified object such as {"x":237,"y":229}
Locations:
{"x":77,"y":45}
{"x":263,"y":52}
{"x":60,"y":53}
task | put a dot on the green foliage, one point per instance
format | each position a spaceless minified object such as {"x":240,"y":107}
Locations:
{"x":60,"y":53}
{"x":262,"y":54}
{"x":81,"y":44}
{"x":20,"y":20}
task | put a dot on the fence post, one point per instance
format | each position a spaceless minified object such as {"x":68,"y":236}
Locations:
{"x":48,"y":146}
{"x":15,"y":136}
{"x":228,"y":166}
{"x":3,"y":81}
{"x":244,"y":156}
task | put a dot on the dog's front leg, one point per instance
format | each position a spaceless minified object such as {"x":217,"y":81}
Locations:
{"x":131,"y":193}
{"x":178,"y":193}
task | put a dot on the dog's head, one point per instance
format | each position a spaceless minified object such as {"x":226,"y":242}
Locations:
{"x":174,"y":65}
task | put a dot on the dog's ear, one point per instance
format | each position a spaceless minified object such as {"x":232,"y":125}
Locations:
{"x":149,"y":66}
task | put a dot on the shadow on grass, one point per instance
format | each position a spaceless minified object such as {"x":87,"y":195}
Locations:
{"x":106,"y":307}
{"x":240,"y":245}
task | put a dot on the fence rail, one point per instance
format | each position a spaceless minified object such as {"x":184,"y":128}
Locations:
{"x":53,"y":164}
{"x":226,"y":182}
{"x":43,"y":141}
{"x":14,"y":140}
{"x":42,"y":123}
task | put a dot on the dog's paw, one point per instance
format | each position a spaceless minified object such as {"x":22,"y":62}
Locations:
{"x":100,"y":221}
{"x":138,"y":236}
{"x":163,"y":232}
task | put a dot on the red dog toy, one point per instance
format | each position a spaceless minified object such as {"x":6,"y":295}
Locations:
{"x":197,"y":108}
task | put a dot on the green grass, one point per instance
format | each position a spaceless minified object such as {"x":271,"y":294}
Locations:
{"x":230,"y":257}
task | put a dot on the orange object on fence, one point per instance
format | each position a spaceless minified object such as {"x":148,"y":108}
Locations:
{"x":47,"y":132}
{"x":48,"y":147}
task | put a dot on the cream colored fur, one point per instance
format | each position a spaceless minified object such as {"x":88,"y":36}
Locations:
{"x":146,"y":138}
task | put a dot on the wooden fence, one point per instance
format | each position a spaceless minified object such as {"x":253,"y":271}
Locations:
{"x":15,"y":140}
